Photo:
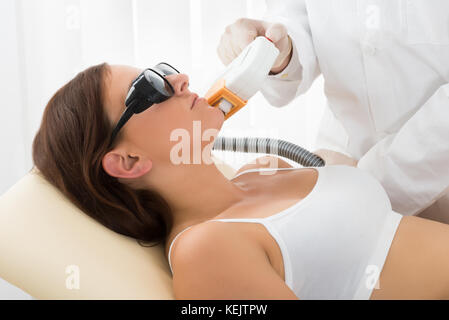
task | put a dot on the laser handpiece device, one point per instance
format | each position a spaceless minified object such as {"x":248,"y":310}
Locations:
{"x":241,"y":80}
{"x":243,"y":77}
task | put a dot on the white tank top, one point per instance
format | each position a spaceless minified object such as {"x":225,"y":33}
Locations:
{"x":334,"y":242}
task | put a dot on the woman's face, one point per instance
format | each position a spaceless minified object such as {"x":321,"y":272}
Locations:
{"x":149,"y":132}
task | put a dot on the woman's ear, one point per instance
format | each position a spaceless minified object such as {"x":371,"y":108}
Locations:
{"x":121,"y":165}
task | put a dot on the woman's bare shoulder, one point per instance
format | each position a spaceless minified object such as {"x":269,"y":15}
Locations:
{"x":216,"y":260}
{"x":208,"y":233}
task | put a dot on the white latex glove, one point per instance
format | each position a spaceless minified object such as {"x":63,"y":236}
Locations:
{"x":335,"y":158}
{"x":242,"y":32}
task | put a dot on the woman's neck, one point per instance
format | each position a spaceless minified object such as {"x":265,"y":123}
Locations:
{"x":195,"y":192}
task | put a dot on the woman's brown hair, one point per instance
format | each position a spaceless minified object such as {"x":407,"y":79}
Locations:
{"x":68,"y":149}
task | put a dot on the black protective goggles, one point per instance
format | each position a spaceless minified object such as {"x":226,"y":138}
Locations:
{"x":148,"y":88}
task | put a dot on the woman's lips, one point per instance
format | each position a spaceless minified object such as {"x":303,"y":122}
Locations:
{"x":197,"y":99}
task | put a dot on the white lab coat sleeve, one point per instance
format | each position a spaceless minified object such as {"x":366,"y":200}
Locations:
{"x":303,"y":69}
{"x":413,"y":164}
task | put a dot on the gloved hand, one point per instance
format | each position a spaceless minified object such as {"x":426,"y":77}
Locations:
{"x":239,"y":34}
{"x":335,"y":158}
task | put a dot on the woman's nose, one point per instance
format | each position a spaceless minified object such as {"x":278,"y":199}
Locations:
{"x":179,"y":82}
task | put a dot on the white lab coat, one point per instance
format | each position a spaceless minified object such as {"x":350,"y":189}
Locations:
{"x":385,"y":65}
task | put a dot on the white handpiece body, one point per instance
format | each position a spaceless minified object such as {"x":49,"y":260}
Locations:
{"x":245,"y":75}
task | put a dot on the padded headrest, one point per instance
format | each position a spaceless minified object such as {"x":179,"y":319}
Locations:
{"x":52,"y":250}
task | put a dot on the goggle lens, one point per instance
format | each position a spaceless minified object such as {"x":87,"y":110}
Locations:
{"x":157,"y":82}
{"x":144,"y":93}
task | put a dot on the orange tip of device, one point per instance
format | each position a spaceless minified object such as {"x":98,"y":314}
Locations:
{"x":218,"y":92}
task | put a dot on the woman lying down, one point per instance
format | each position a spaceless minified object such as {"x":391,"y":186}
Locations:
{"x":295,"y":233}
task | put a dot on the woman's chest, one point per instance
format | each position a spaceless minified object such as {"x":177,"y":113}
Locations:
{"x":272,"y":195}
{"x":271,"y":192}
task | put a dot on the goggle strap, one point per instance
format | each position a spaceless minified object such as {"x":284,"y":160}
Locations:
{"x":129,"y":111}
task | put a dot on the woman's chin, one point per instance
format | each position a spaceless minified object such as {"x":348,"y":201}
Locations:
{"x":220,"y":118}
{"x":213,"y":116}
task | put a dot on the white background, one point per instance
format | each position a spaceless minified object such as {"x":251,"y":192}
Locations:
{"x":44,"y":43}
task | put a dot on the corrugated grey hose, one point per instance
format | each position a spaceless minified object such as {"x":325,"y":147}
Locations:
{"x":269,"y":146}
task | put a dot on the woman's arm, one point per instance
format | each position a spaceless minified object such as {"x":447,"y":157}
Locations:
{"x":214,"y":261}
